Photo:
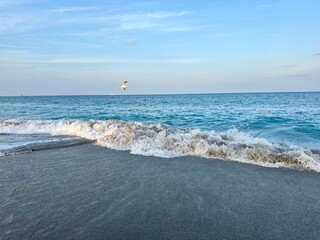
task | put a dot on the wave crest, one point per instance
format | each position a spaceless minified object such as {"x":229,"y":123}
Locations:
{"x":161,"y":141}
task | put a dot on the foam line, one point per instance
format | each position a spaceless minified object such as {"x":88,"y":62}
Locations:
{"x":162,"y":141}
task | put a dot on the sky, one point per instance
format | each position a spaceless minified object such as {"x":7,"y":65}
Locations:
{"x":58,"y":47}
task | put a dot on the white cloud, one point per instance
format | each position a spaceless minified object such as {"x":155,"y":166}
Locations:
{"x":137,"y":25}
{"x":166,"y":14}
{"x":27,"y":21}
{"x":150,"y":15}
{"x":12,"y":46}
{"x":76,"y":9}
{"x":183,"y":28}
{"x":115,"y":60}
{"x":149,"y":20}
{"x":81,"y":60}
{"x":12,"y":58}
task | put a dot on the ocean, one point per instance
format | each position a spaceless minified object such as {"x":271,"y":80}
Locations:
{"x":267,"y":129}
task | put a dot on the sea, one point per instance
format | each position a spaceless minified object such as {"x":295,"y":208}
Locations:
{"x":267,"y":129}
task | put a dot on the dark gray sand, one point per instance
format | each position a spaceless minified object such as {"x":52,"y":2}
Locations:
{"x":89,"y":192}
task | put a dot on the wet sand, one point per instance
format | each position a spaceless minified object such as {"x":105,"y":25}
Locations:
{"x":90,"y":192}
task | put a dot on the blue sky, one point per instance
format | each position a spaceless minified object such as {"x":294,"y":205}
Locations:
{"x":89,"y":47}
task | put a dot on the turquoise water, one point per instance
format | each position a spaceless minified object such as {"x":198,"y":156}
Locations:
{"x":287,"y":121}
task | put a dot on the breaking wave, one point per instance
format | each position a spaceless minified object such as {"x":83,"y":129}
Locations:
{"x":162,"y":141}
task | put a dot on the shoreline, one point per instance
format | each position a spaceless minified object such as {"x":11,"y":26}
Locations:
{"x":91,"y":192}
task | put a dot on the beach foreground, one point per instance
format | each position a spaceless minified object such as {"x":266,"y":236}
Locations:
{"x":90,"y":192}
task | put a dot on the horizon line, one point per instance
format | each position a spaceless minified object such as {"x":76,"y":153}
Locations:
{"x":156,"y":94}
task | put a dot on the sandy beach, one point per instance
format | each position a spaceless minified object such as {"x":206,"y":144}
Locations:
{"x":90,"y":192}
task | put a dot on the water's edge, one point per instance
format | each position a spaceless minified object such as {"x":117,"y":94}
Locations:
{"x":163,"y":141}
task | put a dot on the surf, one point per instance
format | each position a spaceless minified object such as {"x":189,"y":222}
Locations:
{"x":160,"y":140}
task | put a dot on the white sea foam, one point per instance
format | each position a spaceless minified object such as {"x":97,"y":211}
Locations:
{"x":162,"y":141}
